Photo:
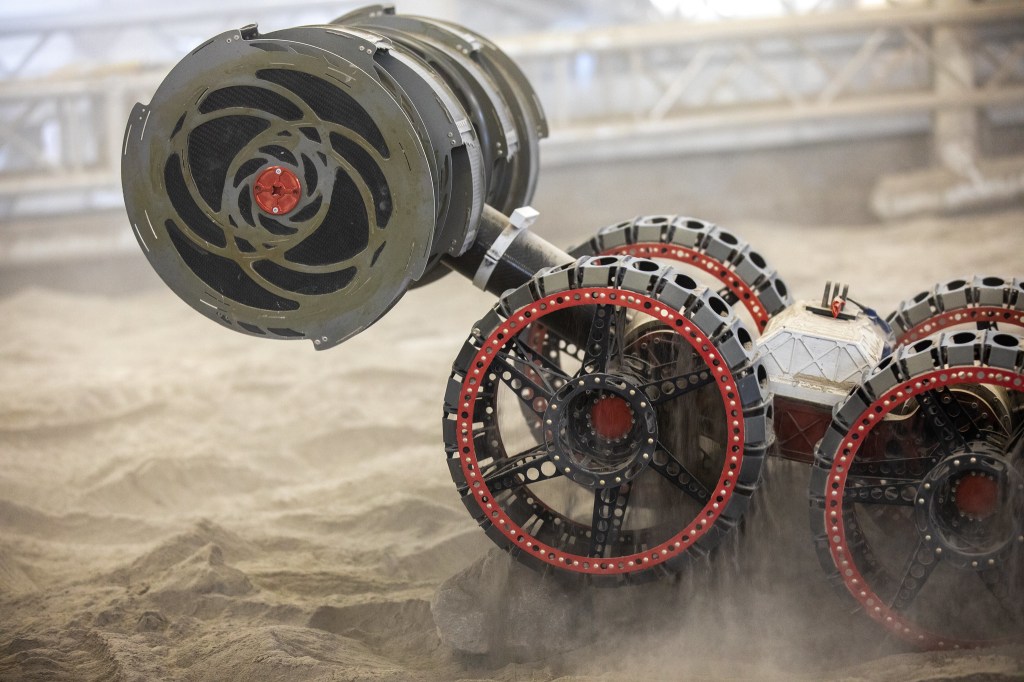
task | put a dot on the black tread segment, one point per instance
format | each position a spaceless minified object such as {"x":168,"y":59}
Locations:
{"x":733,"y":253}
{"x":961,"y":294}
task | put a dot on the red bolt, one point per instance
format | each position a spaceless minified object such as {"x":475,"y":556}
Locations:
{"x":277,"y":190}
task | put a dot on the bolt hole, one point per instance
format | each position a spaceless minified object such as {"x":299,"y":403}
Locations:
{"x":1006,"y":340}
{"x":645,"y":265}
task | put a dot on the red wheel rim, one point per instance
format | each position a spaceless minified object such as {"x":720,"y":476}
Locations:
{"x":835,"y":523}
{"x":744,"y":294}
{"x":953,"y":318}
{"x":727,"y":389}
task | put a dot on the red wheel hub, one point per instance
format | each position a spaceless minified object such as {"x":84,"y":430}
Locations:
{"x":611,"y":417}
{"x":277,"y":190}
{"x":977,"y":495}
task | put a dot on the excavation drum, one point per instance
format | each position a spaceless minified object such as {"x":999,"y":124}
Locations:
{"x":294,"y":184}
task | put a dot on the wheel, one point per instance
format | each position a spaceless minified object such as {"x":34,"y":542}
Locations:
{"x":917,"y":491}
{"x":700,"y":249}
{"x":630,"y":443}
{"x":984,"y":302}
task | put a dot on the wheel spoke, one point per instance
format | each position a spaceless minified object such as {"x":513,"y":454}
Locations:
{"x":525,"y":388}
{"x":543,"y":365}
{"x":951,"y":425}
{"x":918,"y":567}
{"x":620,"y":330}
{"x":857,"y":542}
{"x":903,"y":468}
{"x":609,"y":512}
{"x":522,"y":469}
{"x":677,"y":386}
{"x":669,"y":466}
{"x":894,"y":491}
{"x":599,"y":340}
{"x":962,"y":418}
{"x":995,"y":581}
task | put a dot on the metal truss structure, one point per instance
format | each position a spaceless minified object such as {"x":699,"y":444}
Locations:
{"x":618,"y":90}
{"x":671,"y":81}
{"x":683,"y":87}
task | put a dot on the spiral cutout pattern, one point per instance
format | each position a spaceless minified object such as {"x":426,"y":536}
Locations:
{"x":280,"y":184}
{"x":294,"y":184}
{"x":301,"y":123}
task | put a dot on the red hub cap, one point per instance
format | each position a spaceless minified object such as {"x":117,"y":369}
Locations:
{"x":277,"y":190}
{"x":977,"y":495}
{"x":611,"y":417}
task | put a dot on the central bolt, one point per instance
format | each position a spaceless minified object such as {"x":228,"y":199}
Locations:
{"x":277,"y":190}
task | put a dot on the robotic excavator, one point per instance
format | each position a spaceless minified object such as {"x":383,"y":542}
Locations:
{"x":610,"y":416}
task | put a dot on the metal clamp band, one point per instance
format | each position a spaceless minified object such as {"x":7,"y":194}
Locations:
{"x":520,"y":220}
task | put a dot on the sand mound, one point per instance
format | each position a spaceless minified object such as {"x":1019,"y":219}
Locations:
{"x":14,"y":579}
{"x":75,"y":654}
{"x":204,"y":573}
{"x":183,"y":550}
{"x":182,"y":503}
{"x":76,"y":528}
{"x":398,"y":629}
{"x":292,"y":654}
{"x":168,"y":485}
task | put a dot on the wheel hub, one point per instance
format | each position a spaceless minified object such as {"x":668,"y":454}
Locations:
{"x":600,"y":430}
{"x":969,"y":507}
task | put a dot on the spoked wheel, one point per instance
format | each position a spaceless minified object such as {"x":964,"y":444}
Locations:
{"x":917,"y":492}
{"x":704,"y":251}
{"x":984,"y":302}
{"x":630,"y":442}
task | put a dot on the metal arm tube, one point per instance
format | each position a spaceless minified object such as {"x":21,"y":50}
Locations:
{"x":503,"y":256}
